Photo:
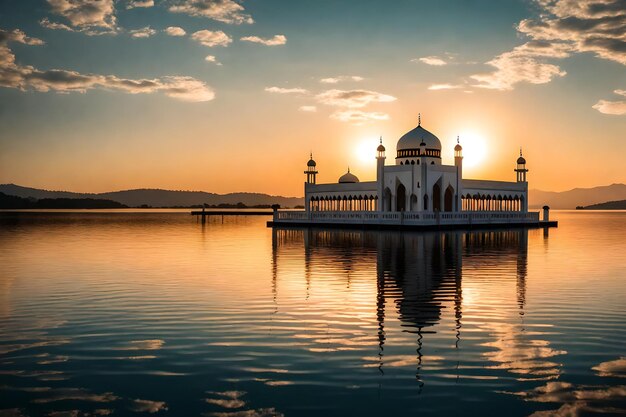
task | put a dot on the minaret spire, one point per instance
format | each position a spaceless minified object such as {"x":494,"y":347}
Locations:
{"x":381,"y":140}
{"x":419,"y":119}
{"x":458,"y":140}
{"x":520,"y":151}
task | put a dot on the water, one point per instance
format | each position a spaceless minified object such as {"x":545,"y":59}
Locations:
{"x":142,"y":313}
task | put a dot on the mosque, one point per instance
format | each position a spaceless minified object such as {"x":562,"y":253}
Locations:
{"x":418,"y":190}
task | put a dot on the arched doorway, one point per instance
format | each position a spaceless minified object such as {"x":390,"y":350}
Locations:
{"x":401,"y":198}
{"x":425,"y":202}
{"x":413,"y":202}
{"x":448,"y":198}
{"x":436,"y":197}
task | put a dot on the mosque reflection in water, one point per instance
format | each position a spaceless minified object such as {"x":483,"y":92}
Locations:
{"x":419,"y":272}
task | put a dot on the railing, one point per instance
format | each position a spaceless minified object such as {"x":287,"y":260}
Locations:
{"x":406,"y":218}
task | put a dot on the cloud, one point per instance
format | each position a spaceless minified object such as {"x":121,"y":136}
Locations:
{"x":358,"y":116}
{"x":616,"y":108}
{"x":16,"y":35}
{"x":175,"y":31}
{"x":26,"y":77}
{"x":211,"y":38}
{"x":145,"y":32}
{"x":281,"y":90}
{"x":435,"y":87}
{"x":308,"y":109}
{"x":352,"y":98}
{"x":139,"y":3}
{"x":46,"y":23}
{"x":563,"y":27}
{"x":147,"y":406}
{"x":226,"y":11}
{"x":431,"y":60}
{"x":274,"y":41}
{"x":212,"y":59}
{"x":524,"y":64}
{"x":87,"y":14}
{"x":335,"y":80}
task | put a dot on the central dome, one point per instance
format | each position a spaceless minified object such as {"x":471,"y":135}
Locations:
{"x":414,"y":138}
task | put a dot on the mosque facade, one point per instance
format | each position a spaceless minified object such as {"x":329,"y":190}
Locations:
{"x":417,"y":189}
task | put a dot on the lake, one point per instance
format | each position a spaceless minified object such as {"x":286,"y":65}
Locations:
{"x":131,"y":313}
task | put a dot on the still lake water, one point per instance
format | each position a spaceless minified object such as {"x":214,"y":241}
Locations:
{"x":137,"y":313}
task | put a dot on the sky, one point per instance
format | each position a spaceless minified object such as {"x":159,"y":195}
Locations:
{"x":228,"y":96}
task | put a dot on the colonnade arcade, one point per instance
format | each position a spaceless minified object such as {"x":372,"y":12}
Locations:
{"x":482,"y":202}
{"x":344,"y":203}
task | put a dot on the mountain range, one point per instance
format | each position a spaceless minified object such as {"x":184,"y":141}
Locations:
{"x":577,"y":197}
{"x":157,"y":197}
{"x":169,"y":198}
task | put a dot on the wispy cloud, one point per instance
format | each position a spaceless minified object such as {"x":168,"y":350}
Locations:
{"x":358,"y":116}
{"x":226,"y":11}
{"x":139,"y":3}
{"x":352,"y":98}
{"x":308,"y":109}
{"x":145,"y":32}
{"x":273,"y":41}
{"x":281,"y":90}
{"x":16,"y":35}
{"x":91,"y":17}
{"x":431,"y":60}
{"x":616,"y":108}
{"x":436,"y":87}
{"x":28,"y":77}
{"x":563,"y":27}
{"x":211,"y":38}
{"x":339,"y":78}
{"x":175,"y":31}
{"x":524,"y":63}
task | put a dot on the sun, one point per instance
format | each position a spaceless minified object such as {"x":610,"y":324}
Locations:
{"x":474,"y":149}
{"x":365,"y":150}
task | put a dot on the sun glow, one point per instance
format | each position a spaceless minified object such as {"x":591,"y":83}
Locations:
{"x":366,"y":151}
{"x":474,"y":149}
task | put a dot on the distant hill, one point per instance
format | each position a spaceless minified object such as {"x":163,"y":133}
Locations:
{"x":157,"y":197}
{"x":15,"y":202}
{"x":576,"y":197}
{"x":609,"y":205}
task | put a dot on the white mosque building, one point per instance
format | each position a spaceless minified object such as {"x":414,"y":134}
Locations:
{"x":418,"y":190}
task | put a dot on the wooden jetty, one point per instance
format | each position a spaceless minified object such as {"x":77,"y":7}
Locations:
{"x":203,"y":214}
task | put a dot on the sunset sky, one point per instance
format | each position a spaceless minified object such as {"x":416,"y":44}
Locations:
{"x":226,"y":96}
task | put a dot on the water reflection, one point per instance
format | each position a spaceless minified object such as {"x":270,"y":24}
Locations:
{"x":417,"y":274}
{"x":157,"y":314}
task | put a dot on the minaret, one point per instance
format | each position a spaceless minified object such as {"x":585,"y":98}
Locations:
{"x":311,"y":170}
{"x":458,"y":163}
{"x":311,"y":173}
{"x":521,"y":178}
{"x":380,"y":173}
{"x":458,"y":156}
{"x":521,"y":167}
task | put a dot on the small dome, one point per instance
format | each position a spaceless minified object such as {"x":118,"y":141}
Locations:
{"x":380,"y":148}
{"x":521,"y":160}
{"x":418,"y":137}
{"x":458,"y":147}
{"x":348,"y":178}
{"x":311,"y":163}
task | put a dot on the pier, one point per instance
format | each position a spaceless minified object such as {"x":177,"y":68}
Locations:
{"x":203,"y":214}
